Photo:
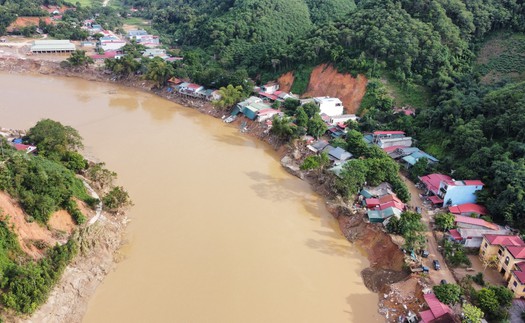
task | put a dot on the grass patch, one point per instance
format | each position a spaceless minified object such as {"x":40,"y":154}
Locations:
{"x":413,"y":95}
{"x":137,"y":22}
{"x":302,"y":78}
{"x":88,"y":3}
{"x":502,"y":57}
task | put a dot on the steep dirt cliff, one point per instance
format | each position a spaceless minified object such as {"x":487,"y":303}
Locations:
{"x":286,"y":81}
{"x":327,"y":81}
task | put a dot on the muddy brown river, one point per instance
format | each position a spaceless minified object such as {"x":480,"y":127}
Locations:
{"x":219,"y":231}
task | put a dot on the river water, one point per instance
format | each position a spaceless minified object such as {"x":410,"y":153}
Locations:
{"x":219,"y":232}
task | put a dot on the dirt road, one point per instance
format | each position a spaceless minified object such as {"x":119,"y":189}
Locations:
{"x":432,"y":246}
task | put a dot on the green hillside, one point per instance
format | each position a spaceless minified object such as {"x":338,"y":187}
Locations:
{"x":502,"y":58}
{"x":453,"y":60}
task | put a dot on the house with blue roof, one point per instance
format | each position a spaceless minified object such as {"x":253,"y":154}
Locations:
{"x":339,"y":155}
{"x":378,"y":216}
{"x":411,"y":160}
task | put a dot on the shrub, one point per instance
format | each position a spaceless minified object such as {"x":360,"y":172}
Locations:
{"x":478,"y":279}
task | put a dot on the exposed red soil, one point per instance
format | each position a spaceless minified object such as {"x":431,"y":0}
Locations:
{"x":62,"y":221}
{"x":325,"y":80}
{"x":27,"y":232}
{"x":370,"y":237}
{"x":85,"y":209}
{"x":285,"y":81}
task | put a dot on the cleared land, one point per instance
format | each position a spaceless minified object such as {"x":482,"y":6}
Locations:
{"x":502,"y":58}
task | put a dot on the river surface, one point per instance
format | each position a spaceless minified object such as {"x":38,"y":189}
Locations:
{"x":219,"y":232}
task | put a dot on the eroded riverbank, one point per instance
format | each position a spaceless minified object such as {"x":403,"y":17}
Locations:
{"x":149,"y":124}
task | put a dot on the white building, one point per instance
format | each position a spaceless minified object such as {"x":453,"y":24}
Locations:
{"x":52,"y":46}
{"x":391,"y":142}
{"x":459,"y":192}
{"x":112,"y":45}
{"x":133,"y":34}
{"x":343,"y":118}
{"x":330,"y":106}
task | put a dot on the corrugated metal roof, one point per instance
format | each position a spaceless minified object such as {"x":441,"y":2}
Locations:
{"x":52,"y":45}
{"x":468,"y":208}
{"x":475,"y":221}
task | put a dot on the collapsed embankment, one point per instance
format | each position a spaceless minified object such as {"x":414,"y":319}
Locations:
{"x":325,"y":80}
{"x":385,"y":257}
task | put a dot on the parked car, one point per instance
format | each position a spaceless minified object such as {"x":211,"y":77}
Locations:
{"x":436,"y":264}
{"x":424,"y":253}
{"x":443,"y":282}
{"x":418,"y":209}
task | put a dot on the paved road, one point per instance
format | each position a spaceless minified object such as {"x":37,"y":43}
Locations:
{"x":432,"y":246}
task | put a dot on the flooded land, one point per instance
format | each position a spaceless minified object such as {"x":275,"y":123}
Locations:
{"x":219,"y":232}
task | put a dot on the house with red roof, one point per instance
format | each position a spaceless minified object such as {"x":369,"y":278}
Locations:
{"x":107,"y":55}
{"x":191,"y":89}
{"x":390,"y":138}
{"x":517,"y":280}
{"x":266,"y":114}
{"x":28,"y":149}
{"x":509,"y":251}
{"x":512,"y":255}
{"x":468,"y":209}
{"x":494,"y":245}
{"x":468,"y":222}
{"x":470,"y":231}
{"x":406,"y":111}
{"x":437,"y":311}
{"x":448,"y":191}
{"x":382,"y":208}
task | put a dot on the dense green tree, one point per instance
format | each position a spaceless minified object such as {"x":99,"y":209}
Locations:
{"x":487,"y":301}
{"x":283,"y":129}
{"x":409,"y":225}
{"x":290,"y":106}
{"x":316,"y":126}
{"x":230,"y":95}
{"x":79,"y":58}
{"x":159,"y":71}
{"x":311,"y":109}
{"x":124,"y":66}
{"x":419,"y":169}
{"x":116,"y":199}
{"x":445,"y":221}
{"x":471,"y":314}
{"x":301,"y":118}
{"x":354,"y":175}
{"x":315,"y":162}
{"x":447,"y":293}
{"x":53,"y":139}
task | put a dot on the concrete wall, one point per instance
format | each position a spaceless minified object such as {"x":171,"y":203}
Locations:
{"x":516,"y":287}
{"x":461,"y":194}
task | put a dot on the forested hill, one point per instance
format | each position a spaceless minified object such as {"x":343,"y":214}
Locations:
{"x":426,"y":49}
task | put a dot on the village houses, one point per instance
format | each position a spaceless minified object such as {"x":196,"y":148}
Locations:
{"x":448,"y":191}
{"x":508,"y":251}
